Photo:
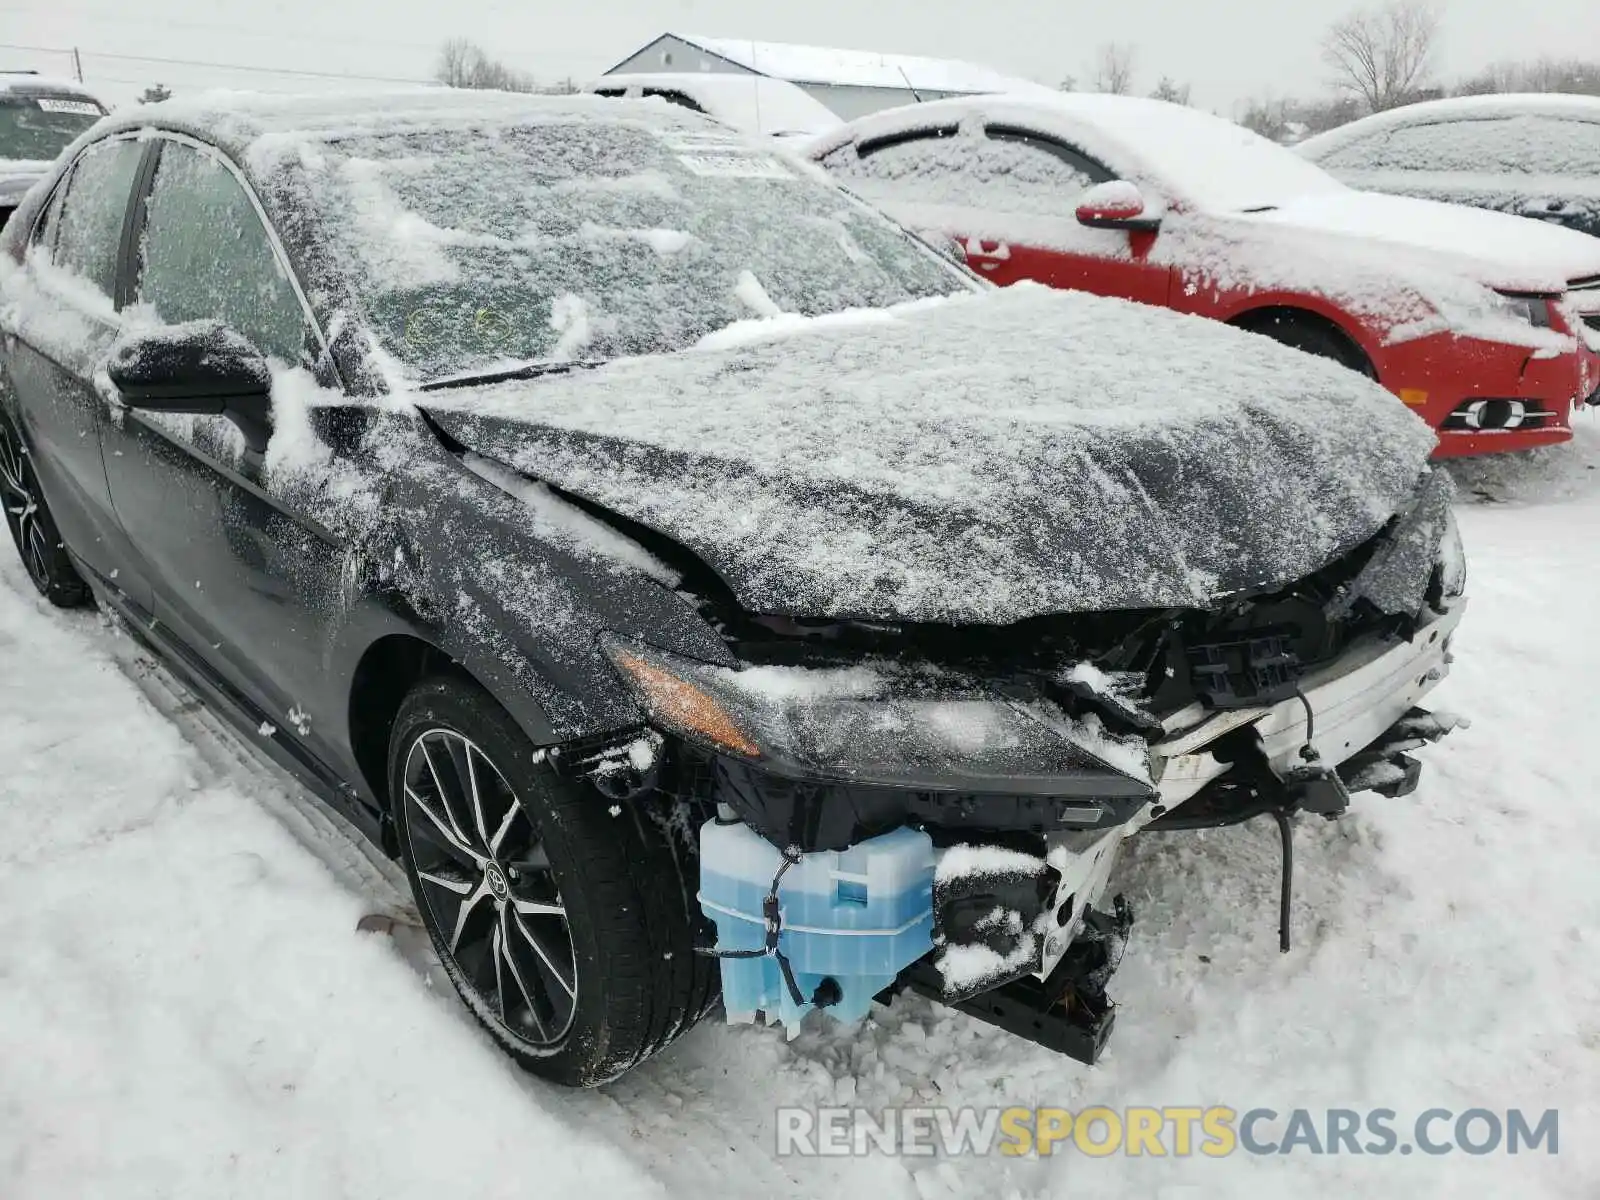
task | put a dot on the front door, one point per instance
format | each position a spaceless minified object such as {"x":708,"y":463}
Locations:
{"x":1009,"y":197}
{"x":246,"y":579}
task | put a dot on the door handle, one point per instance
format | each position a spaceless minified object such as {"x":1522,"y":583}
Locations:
{"x":995,"y":250}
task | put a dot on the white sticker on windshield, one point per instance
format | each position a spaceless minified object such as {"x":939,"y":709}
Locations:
{"x":736,"y":166}
{"x":85,"y":108}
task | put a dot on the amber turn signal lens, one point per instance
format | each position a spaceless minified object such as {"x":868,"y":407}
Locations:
{"x":682,"y":706}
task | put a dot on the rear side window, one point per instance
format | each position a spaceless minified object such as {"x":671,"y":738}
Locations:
{"x":1519,"y":145}
{"x":1010,"y":173}
{"x":88,"y":227}
{"x":678,"y":98}
{"x":205,"y":255}
{"x":1363,"y":154}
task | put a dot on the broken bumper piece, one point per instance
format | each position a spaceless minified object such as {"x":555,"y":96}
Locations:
{"x":1007,"y":918}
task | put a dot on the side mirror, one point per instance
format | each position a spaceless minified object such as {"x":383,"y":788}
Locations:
{"x":202,"y":367}
{"x":1117,"y":204}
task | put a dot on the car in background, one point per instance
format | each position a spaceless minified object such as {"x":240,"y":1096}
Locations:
{"x":39,"y":118}
{"x":537,"y":480}
{"x":1531,"y":155}
{"x":749,"y":103}
{"x":1473,"y":319}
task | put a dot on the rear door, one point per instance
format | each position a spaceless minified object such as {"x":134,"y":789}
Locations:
{"x":66,"y":317}
{"x":244,"y":577}
{"x":1010,"y":198}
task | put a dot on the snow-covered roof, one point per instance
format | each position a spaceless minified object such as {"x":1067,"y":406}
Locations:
{"x":859,"y":68}
{"x":26,"y":82}
{"x":1185,"y":153}
{"x":1537,"y":104}
{"x":752,"y":103}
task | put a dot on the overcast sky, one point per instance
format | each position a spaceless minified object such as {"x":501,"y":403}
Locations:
{"x":1227,"y":49}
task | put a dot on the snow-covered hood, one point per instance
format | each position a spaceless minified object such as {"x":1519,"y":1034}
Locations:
{"x":1502,"y":251}
{"x":979,"y":459}
{"x":17,"y":176}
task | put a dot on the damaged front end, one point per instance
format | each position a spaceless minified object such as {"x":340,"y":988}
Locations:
{"x":942,"y":807}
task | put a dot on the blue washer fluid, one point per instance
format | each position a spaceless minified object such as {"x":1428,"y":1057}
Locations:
{"x":857,"y":917}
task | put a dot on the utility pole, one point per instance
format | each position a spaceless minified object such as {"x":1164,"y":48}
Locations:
{"x":77,"y":64}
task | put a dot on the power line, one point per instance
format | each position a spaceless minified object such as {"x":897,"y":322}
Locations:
{"x":216,"y":66}
{"x":102,"y":17}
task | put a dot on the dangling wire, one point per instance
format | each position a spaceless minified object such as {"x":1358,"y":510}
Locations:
{"x":772,"y":914}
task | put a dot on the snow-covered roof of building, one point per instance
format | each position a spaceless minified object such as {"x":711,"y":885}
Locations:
{"x":859,"y":68}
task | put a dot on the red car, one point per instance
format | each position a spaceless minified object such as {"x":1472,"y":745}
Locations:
{"x":1475,"y":319}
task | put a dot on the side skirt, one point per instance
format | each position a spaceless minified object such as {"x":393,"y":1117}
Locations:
{"x":245,"y":718}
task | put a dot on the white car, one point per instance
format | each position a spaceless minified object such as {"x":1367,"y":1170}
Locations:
{"x":39,"y":118}
{"x":1534,"y":156}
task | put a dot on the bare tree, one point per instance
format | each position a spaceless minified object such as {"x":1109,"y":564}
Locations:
{"x":1113,"y":68}
{"x":1573,"y":75}
{"x":1268,"y":116}
{"x":1382,"y":55}
{"x":463,"y":65}
{"x":1171,"y":91}
{"x":1069,"y":83}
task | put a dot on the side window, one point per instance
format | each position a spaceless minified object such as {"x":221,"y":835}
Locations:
{"x":88,"y":223}
{"x":1528,"y":144}
{"x":1363,"y":154}
{"x":928,"y":166}
{"x":1079,"y":162}
{"x":1008,"y":171}
{"x":205,"y":255}
{"x":674,"y":97}
{"x":44,"y":232}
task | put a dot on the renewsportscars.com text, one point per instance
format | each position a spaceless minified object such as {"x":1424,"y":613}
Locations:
{"x":1173,"y":1131}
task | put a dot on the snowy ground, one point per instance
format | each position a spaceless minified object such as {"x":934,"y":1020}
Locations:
{"x":187,"y":1010}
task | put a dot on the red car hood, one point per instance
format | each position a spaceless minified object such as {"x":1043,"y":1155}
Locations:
{"x":1505,"y":252}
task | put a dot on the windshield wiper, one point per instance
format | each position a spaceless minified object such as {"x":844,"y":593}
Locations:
{"x":530,"y":370}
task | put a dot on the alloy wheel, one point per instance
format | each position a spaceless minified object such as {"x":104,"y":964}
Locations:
{"x":485,"y":879}
{"x":19,"y":497}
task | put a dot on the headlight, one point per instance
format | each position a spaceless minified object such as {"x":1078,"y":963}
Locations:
{"x":1535,"y":310}
{"x":895,"y":728}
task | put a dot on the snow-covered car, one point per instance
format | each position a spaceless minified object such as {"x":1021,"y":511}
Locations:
{"x":39,"y":117}
{"x":682,"y":600}
{"x":1533,"y":156}
{"x":1473,"y":319}
{"x":749,"y":103}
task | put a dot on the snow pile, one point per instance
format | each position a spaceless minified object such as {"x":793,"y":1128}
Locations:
{"x":983,"y":459}
{"x":752,"y":103}
{"x":187,"y":1010}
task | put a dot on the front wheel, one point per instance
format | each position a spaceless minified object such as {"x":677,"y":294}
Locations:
{"x":565,"y":921}
{"x":34,"y":531}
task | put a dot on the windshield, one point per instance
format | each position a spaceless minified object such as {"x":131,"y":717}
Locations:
{"x":37,"y":128}
{"x":582,"y":239}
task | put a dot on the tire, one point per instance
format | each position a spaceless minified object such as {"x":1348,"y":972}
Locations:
{"x":1314,"y":338}
{"x":577,"y":951}
{"x":33,"y":529}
